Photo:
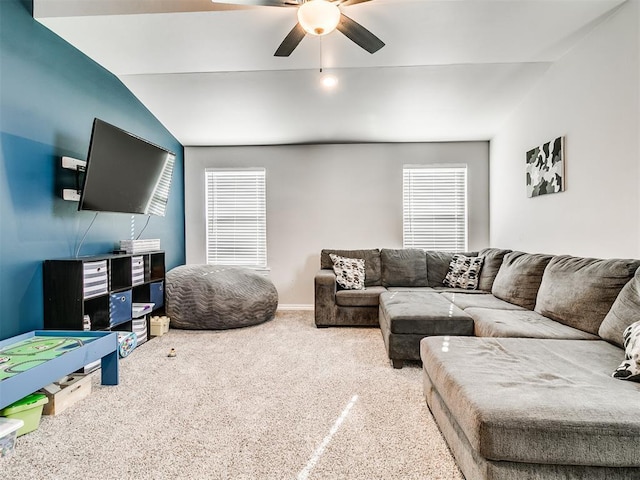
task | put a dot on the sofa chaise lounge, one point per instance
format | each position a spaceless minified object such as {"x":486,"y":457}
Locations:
{"x":528,"y":392}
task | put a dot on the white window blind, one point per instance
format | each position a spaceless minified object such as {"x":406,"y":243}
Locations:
{"x":435,"y":207}
{"x":160,"y":197}
{"x":236,"y":217}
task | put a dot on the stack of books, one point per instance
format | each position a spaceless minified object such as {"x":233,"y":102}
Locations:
{"x":140,"y":246}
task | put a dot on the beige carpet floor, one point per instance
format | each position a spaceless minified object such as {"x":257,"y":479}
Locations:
{"x":281,"y":400}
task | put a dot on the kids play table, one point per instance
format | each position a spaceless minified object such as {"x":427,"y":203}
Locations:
{"x":35,"y":359}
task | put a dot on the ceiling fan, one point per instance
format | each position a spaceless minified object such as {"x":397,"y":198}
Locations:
{"x":318,"y":17}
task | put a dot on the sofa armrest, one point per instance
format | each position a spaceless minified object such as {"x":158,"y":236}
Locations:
{"x":326,"y":277}
{"x":325,"y":297}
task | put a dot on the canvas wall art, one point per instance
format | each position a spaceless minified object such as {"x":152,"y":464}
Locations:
{"x":545,"y":168}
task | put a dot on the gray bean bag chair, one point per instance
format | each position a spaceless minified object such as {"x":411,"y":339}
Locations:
{"x":215,"y":297}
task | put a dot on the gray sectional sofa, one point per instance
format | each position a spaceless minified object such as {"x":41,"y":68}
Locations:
{"x":517,"y":373}
{"x":387,"y":270}
{"x":396,"y":280}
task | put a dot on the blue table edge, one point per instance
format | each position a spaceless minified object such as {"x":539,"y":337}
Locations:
{"x":104,"y":348}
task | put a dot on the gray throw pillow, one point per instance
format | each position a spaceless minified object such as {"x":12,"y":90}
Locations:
{"x":464,"y":272}
{"x":624,"y":311}
{"x":490,"y":266}
{"x":403,"y":267}
{"x":349,"y":272}
{"x":579,"y":292}
{"x":519,"y":277}
{"x":630,"y":368}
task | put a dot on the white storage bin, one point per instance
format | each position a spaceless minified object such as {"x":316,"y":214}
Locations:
{"x":137,"y":270}
{"x":139,"y":327}
{"x":8,"y":431}
{"x":95,"y":278}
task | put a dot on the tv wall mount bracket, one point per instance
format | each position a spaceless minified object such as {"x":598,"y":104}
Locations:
{"x":79,"y":166}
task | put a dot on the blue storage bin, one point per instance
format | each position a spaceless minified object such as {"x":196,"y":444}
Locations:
{"x":156,"y":294}
{"x":119,"y":308}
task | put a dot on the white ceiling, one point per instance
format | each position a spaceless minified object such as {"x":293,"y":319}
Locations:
{"x":450,"y":70}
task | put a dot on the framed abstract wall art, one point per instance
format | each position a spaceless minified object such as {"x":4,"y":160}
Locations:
{"x":545,"y":168}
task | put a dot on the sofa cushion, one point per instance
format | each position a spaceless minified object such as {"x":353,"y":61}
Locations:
{"x":423,"y":313}
{"x":349,"y":272}
{"x":438,"y":265}
{"x":473,"y":466}
{"x":405,"y":267}
{"x":557,"y":402}
{"x":371,"y":262}
{"x":580,"y":291}
{"x":492,"y":261}
{"x":624,"y":311}
{"x":359,"y":298}
{"x":630,"y":368}
{"x":482,"y":300}
{"x":464,"y":272}
{"x":490,"y":322}
{"x":519,"y":277}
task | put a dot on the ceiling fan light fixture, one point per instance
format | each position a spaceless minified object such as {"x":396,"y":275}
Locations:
{"x":318,"y":17}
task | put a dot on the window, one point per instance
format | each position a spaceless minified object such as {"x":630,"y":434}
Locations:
{"x":435,"y":207}
{"x":236,"y":217}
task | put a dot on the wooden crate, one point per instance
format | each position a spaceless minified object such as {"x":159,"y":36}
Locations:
{"x":66,"y":392}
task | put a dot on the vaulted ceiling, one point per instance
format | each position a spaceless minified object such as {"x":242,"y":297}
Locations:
{"x":451,"y":69}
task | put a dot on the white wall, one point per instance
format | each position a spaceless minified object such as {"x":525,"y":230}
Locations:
{"x":591,"y":96}
{"x":330,"y":196}
{"x":637,"y":7}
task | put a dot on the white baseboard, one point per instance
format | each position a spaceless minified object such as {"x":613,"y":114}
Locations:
{"x":295,"y":306}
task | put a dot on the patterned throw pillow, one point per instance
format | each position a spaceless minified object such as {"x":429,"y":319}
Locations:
{"x":464,"y":272}
{"x":349,"y":272}
{"x":630,"y":368}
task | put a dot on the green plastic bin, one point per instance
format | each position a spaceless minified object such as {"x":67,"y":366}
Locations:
{"x":27,"y":409}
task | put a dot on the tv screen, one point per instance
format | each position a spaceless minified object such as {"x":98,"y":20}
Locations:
{"x":125,"y":173}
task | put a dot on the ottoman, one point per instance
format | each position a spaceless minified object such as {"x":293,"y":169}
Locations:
{"x":214,"y":297}
{"x":408,"y":317}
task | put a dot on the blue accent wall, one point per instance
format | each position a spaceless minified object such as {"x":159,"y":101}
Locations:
{"x":49,"y":95}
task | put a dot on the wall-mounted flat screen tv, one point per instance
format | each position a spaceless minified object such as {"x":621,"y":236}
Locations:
{"x":125,"y":173}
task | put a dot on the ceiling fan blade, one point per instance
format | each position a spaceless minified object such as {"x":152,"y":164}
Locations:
{"x":359,"y":35}
{"x":291,"y":41}
{"x":264,"y":3}
{"x":346,"y":3}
